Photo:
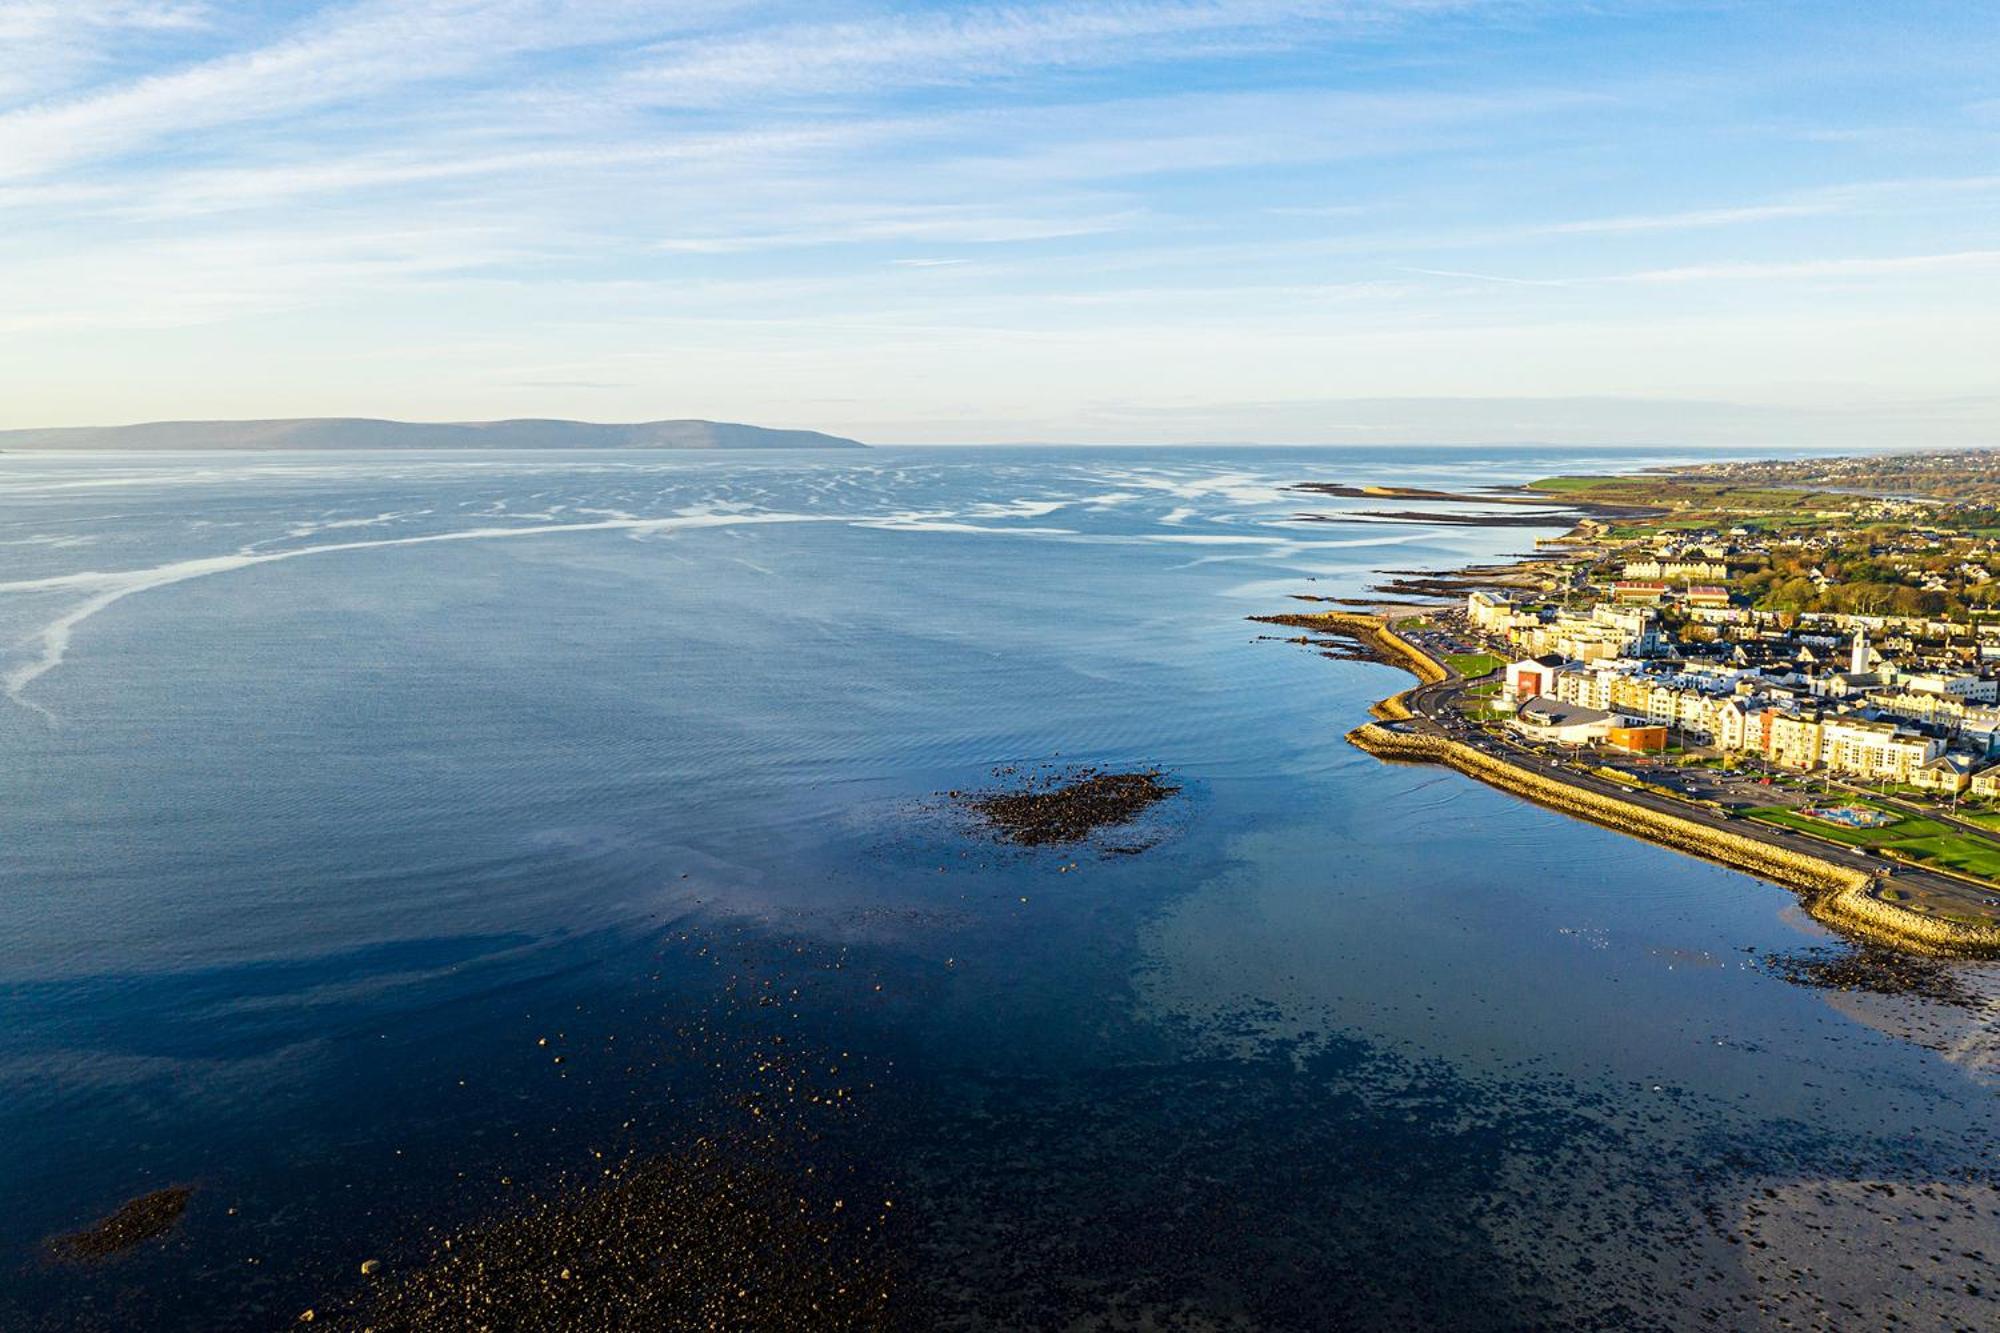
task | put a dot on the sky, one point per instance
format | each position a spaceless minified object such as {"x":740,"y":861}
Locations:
{"x":1743,"y":222}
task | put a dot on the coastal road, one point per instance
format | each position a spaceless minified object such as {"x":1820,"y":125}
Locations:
{"x":1436,"y":707}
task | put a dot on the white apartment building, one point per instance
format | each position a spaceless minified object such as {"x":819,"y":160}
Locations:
{"x":1701,"y":708}
{"x":1497,"y":613}
{"x":1877,"y":751}
{"x":1966,"y":688}
{"x":1607,"y":632}
{"x":1699,"y":571}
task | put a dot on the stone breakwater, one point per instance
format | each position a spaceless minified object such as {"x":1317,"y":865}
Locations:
{"x":1382,"y":642}
{"x":1377,"y":633}
{"x":1372,"y":633}
{"x":1836,"y":894}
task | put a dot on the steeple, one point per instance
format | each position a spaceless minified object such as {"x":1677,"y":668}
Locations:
{"x":1859,"y":664}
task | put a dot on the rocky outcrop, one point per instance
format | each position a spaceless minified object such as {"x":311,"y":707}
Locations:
{"x":1372,"y":633}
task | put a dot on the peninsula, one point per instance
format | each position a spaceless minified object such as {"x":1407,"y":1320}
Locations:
{"x":370,"y":433}
{"x":1736,"y":661}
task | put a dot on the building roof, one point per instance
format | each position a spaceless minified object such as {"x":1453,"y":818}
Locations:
{"x":1542,"y":711}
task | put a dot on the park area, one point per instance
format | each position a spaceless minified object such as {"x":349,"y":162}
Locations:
{"x":1894,"y":833}
{"x":1473,"y":665}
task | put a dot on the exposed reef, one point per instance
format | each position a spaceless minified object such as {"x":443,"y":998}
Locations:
{"x":133,"y":1223}
{"x":1062,"y":806}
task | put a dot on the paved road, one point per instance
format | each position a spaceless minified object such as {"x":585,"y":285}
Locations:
{"x":1436,"y":707}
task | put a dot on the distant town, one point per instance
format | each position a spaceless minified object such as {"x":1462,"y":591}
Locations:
{"x":1806,"y":653}
{"x":1849,"y":634}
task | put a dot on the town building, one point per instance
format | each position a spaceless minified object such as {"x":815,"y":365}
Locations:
{"x":1552,"y":721}
{"x":1530,"y":677}
{"x":1876,"y":751}
{"x":1676,"y":571}
{"x":1947,"y":775}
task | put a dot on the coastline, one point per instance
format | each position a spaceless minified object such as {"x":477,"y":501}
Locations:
{"x":1839,"y":896}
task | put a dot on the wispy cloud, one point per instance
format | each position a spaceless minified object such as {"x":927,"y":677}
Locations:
{"x":1484,"y":277}
{"x":46,"y":45}
{"x":1688,"y":220}
{"x":1957,"y":261}
{"x":366,"y":51}
{"x":903,"y":50}
{"x":782,"y":204}
{"x":891,"y":221}
{"x":1851,"y":267}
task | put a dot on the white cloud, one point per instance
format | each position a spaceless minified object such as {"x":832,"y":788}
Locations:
{"x":46,"y":45}
{"x":916,"y":50}
{"x":1691,"y":219}
{"x":196,"y":280}
{"x":1959,"y":261}
{"x":1014,"y":209}
{"x":367,"y":50}
{"x":963,"y":224}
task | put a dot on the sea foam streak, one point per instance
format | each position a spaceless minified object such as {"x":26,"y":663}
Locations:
{"x":107,"y":587}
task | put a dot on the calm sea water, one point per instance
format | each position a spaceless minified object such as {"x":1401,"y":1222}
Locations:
{"x":385,"y":837}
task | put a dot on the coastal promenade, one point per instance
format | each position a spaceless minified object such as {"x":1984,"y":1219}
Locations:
{"x":1843,"y":887}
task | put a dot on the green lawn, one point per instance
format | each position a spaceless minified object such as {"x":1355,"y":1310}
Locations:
{"x":1955,"y":851}
{"x":1819,"y":828}
{"x":1473,"y":664}
{"x":1629,"y":531}
{"x":1924,"y":840}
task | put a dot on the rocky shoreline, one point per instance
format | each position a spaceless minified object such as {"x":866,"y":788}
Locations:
{"x":1554,"y":507}
{"x":1835,"y":894}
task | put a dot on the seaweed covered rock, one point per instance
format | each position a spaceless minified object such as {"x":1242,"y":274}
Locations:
{"x":1063,"y":806}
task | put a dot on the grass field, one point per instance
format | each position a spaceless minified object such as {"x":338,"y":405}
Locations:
{"x":1693,"y":504}
{"x":1819,"y":828}
{"x":1955,"y":851}
{"x":1473,"y":664}
{"x":1917,"y":839}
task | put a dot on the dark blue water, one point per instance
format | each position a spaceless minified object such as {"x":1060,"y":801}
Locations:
{"x":387,"y":841}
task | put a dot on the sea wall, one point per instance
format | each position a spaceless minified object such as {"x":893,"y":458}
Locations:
{"x":1838,"y":894}
{"x":1392,"y":644}
{"x":1391,"y":709}
{"x":1373,"y":633}
{"x":1865,"y":913}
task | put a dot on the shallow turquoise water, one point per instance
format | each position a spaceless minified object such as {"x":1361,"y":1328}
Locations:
{"x":331,"y":785}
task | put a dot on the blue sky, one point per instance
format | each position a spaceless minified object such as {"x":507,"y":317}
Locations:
{"x":1730,"y":221}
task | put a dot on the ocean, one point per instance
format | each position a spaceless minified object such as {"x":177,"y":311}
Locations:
{"x":406,"y":847}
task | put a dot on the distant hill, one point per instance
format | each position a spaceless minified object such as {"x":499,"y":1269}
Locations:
{"x":368,"y":433}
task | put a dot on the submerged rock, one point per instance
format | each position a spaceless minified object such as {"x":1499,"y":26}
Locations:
{"x":135,"y":1222}
{"x":1877,"y":970}
{"x":1065,"y":806}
